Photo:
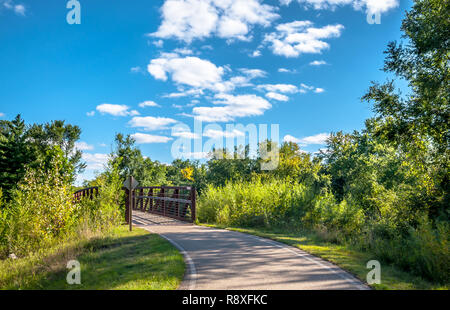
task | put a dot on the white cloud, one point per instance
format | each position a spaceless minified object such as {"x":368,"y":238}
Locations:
{"x":289,"y":138}
{"x":276,"y":96}
{"x":191,"y":71}
{"x":183,"y":51}
{"x":281,"y":88}
{"x":136,"y":69}
{"x":319,"y":139}
{"x":150,"y":123}
{"x":19,"y":9}
{"x":83,"y":146}
{"x":318,"y":63}
{"x":187,"y":20}
{"x":185,"y":134}
{"x":319,"y":90}
{"x":95,"y":161}
{"x":370,"y":6}
{"x":284,"y":70}
{"x":253,"y":73}
{"x":142,"y":138}
{"x":191,"y":92}
{"x":148,"y":103}
{"x":90,"y":114}
{"x":300,"y":37}
{"x":212,"y":133}
{"x":231,"y":108}
{"x":158,"y":43}
{"x":306,"y":88}
{"x":199,"y":74}
{"x":255,"y":54}
{"x":116,"y":110}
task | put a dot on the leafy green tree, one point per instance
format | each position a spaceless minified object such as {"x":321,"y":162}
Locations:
{"x":418,"y":123}
{"x":130,"y":161}
{"x":43,"y":137}
{"x":15,"y":153}
{"x":230,"y":166}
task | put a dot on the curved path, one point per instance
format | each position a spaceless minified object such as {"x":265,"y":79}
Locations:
{"x":219,"y":259}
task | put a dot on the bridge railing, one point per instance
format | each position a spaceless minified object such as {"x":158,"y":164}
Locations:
{"x":88,"y":193}
{"x":178,"y":202}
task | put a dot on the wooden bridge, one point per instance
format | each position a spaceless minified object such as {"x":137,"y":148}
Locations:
{"x":176,"y":202}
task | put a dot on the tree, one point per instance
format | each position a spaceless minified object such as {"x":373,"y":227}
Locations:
{"x":56,"y":133}
{"x":130,"y":161}
{"x":15,"y":153}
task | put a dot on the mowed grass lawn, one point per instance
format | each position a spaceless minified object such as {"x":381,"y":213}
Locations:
{"x":346,"y":257}
{"x":122,"y":260}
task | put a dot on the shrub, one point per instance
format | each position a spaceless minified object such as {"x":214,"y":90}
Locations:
{"x":41,"y":211}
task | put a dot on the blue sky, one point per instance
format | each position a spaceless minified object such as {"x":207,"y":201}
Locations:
{"x":142,"y":67}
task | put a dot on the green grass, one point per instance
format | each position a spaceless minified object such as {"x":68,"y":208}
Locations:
{"x":346,"y":257}
{"x":121,"y":260}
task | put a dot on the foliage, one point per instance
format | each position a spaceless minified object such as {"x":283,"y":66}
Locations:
{"x":41,"y":211}
{"x":23,"y":147}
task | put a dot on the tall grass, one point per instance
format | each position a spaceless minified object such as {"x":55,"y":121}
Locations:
{"x":41,"y":212}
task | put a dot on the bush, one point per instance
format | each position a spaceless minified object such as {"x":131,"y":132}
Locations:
{"x":256,"y":203}
{"x":41,"y":211}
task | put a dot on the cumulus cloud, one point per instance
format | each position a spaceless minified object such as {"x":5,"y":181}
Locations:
{"x":284,"y":70}
{"x":116,"y":110}
{"x":370,"y":6}
{"x":142,"y":138}
{"x":318,"y":63}
{"x":191,"y":71}
{"x":95,"y":161}
{"x":281,"y":88}
{"x":289,"y":138}
{"x":150,"y":123}
{"x":212,"y":133}
{"x":300,"y":37}
{"x":187,"y":20}
{"x":319,"y":90}
{"x":83,"y":146}
{"x":276,"y":96}
{"x":148,"y":103}
{"x":231,"y":108}
{"x":19,"y":9}
{"x":185,"y":134}
{"x":319,"y":139}
{"x":199,"y":75}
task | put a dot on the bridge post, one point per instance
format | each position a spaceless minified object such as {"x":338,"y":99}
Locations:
{"x":193,"y":201}
{"x":127,"y":205}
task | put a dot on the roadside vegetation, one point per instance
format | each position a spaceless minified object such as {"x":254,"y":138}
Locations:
{"x":119,"y":260}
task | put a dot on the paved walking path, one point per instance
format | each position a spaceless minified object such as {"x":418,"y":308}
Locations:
{"x":219,"y":259}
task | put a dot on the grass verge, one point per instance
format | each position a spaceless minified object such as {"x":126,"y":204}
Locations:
{"x":346,"y":257}
{"x":121,"y":260}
